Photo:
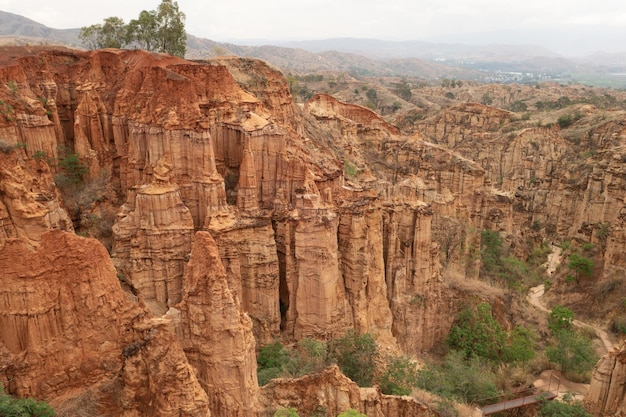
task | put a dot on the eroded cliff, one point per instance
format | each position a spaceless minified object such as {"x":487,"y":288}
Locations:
{"x":242,"y":218}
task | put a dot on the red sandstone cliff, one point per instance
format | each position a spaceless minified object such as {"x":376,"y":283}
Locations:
{"x":69,"y":330}
{"x":237,"y":225}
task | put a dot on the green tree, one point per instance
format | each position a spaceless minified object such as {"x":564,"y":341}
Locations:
{"x":113,"y":33}
{"x":23,"y":407}
{"x":520,"y":346}
{"x":356,"y":356}
{"x":161,"y":30}
{"x":403,"y":90}
{"x":270,"y":362}
{"x":371,"y":96}
{"x":143,"y":30}
{"x":73,"y":170}
{"x":469,"y":380}
{"x":561,"y":318}
{"x":272,"y":355}
{"x":171,"y":36}
{"x":573,"y":351}
{"x":518,"y":106}
{"x":310,"y":356}
{"x":580,"y":265}
{"x":399,"y":377}
{"x":490,"y":252}
{"x":477,"y":333}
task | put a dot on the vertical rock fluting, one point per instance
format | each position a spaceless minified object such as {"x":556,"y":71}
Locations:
{"x":607,"y":392}
{"x":152,"y":240}
{"x":190,"y":155}
{"x":360,"y":237}
{"x":67,"y":327}
{"x":312,"y":293}
{"x":216,"y":334}
{"x":29,"y":200}
{"x":422,"y":305}
{"x":248,"y":252}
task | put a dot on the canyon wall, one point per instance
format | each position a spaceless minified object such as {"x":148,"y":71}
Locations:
{"x":233,"y":228}
{"x":242,"y":218}
{"x":69,"y":330}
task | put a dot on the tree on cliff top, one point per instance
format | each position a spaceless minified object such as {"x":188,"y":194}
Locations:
{"x":161,"y":30}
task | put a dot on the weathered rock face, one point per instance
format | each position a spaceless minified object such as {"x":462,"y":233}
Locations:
{"x":248,"y":252}
{"x":58,"y":340}
{"x":153,"y":240}
{"x":362,"y":265}
{"x":216,"y":334}
{"x":285,"y":246}
{"x":329,"y":393}
{"x":608,"y":385}
{"x":29,"y":200}
{"x":458,"y":124}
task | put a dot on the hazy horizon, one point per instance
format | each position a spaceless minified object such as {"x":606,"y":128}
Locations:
{"x":571,"y":29}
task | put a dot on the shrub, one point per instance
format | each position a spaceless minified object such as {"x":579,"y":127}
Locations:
{"x":561,"y":318}
{"x":477,"y":333}
{"x":565,"y":407}
{"x":580,"y":265}
{"x":309,"y":356}
{"x":6,"y":147}
{"x":23,"y":407}
{"x":356,"y":356}
{"x":399,"y":377}
{"x":286,"y":412}
{"x":39,"y":155}
{"x":351,"y":413}
{"x":574,"y":352}
{"x":350,"y":170}
{"x":459,"y":378}
{"x":565,"y":121}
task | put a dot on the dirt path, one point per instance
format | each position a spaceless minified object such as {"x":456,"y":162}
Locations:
{"x":552,"y":380}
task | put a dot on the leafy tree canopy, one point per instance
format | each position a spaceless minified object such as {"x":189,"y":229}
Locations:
{"x":23,"y":407}
{"x":356,"y":356}
{"x":561,"y":318}
{"x":573,"y":351}
{"x":160,"y":30}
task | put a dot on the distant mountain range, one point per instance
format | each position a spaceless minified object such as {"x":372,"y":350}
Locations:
{"x":371,"y":57}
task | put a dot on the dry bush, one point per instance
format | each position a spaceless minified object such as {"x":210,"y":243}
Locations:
{"x":435,"y":402}
{"x":6,"y":147}
{"x":510,"y":377}
{"x":83,"y":405}
{"x":457,"y":281}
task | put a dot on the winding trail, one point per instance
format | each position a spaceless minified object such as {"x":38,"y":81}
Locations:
{"x":546,"y":377}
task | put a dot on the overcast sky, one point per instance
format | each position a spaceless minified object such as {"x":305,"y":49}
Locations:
{"x":569,"y":23}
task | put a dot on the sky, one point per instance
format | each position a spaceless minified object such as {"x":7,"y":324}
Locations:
{"x":565,"y":24}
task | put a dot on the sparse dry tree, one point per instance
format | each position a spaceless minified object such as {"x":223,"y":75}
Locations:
{"x":449,"y":234}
